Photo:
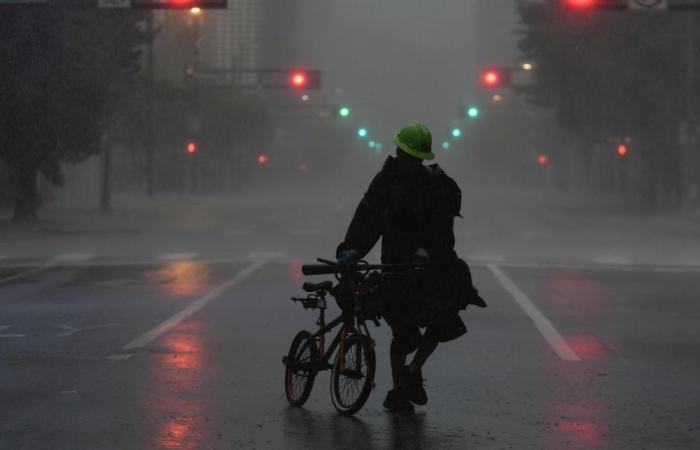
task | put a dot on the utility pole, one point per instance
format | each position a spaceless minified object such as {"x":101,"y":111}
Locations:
{"x":150,"y":106}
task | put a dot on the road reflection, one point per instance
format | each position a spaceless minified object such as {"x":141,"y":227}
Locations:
{"x":295,"y":272}
{"x":180,"y":408}
{"x":578,"y":413}
{"x":372,"y":430}
{"x":182,"y":278}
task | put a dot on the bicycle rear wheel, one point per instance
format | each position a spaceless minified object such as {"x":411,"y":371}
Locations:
{"x":301,"y":366}
{"x":351,"y":381}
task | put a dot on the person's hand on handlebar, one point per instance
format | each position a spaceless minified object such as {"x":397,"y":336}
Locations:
{"x":345,"y":258}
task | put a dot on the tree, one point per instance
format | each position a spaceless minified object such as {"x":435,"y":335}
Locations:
{"x":59,"y":70}
{"x":612,"y":74}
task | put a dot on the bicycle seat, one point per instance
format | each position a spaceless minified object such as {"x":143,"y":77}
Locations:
{"x":315,"y":287}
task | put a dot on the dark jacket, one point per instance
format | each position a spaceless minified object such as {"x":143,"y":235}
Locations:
{"x":409,"y":208}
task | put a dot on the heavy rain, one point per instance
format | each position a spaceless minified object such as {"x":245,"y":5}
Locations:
{"x":320,"y":224}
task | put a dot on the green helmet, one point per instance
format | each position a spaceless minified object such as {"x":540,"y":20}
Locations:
{"x":416,"y":140}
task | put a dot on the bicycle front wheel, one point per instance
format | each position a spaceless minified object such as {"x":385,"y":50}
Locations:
{"x":353,"y":374}
{"x":301,"y":366}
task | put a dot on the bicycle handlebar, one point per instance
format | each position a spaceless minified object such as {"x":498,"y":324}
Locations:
{"x":329,"y":267}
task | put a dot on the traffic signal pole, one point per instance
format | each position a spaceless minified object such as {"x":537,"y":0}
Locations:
{"x":690,"y":159}
{"x":150,"y":107}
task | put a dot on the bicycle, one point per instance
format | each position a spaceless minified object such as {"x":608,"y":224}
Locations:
{"x":353,"y":369}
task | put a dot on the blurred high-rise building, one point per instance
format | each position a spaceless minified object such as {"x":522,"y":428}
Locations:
{"x":251,"y":34}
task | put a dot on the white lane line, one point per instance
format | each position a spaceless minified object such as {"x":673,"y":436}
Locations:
{"x":612,"y":260}
{"x":177,"y":256}
{"x":70,"y":258}
{"x":543,"y":324}
{"x":486,"y":257}
{"x":194,"y":307}
{"x":120,"y":356}
{"x":305,"y":232}
{"x":566,"y":221}
{"x":10,"y":336}
{"x":268,"y":255}
{"x":27,"y":273}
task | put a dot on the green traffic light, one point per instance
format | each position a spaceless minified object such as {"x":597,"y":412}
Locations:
{"x":456,"y":132}
{"x":473,"y":112}
{"x":344,"y":111}
{"x":362,"y":132}
{"x":372,"y":144}
{"x":445,"y":145}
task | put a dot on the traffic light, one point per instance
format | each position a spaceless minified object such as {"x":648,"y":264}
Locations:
{"x":178,"y":4}
{"x":372,"y":144}
{"x":494,"y":78}
{"x":542,"y":159}
{"x":343,"y":112}
{"x":262,"y":159}
{"x":622,"y":150}
{"x":581,"y":4}
{"x":456,"y":132}
{"x":304,"y":79}
{"x":586,"y":5}
{"x":362,"y":132}
{"x":298,"y":79}
{"x":192,"y":147}
{"x":445,"y":145}
{"x":473,"y":112}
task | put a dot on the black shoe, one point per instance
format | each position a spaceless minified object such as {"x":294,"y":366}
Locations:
{"x":397,"y":402}
{"x":412,"y":383}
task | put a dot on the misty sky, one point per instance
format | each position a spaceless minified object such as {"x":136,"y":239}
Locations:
{"x":397,"y":60}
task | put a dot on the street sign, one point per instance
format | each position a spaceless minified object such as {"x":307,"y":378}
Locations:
{"x":647,"y":5}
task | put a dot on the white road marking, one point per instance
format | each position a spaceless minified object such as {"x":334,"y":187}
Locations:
{"x":486,"y":257}
{"x":71,"y":330}
{"x":268,"y":255}
{"x":566,"y":221}
{"x":612,"y":260}
{"x":10,"y":336}
{"x":73,"y":258}
{"x":120,"y":356}
{"x":305,"y":232}
{"x":194,"y":307}
{"x":27,"y":273}
{"x":177,"y":256}
{"x":543,"y":324}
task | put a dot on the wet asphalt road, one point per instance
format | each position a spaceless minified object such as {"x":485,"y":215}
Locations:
{"x":182,"y":350}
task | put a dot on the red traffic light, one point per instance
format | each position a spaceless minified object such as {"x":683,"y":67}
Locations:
{"x":178,"y":4}
{"x":622,"y":150}
{"x":542,"y":159}
{"x":581,"y":4}
{"x":299,"y":79}
{"x":491,"y":78}
{"x":191,"y":147}
{"x":262,"y":158}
